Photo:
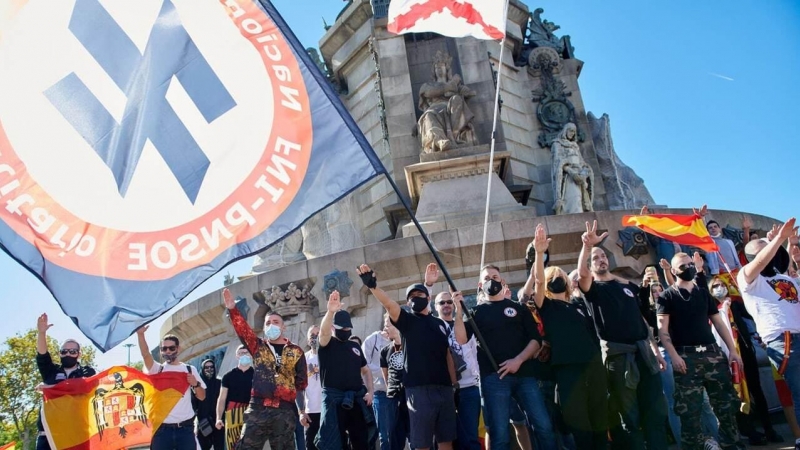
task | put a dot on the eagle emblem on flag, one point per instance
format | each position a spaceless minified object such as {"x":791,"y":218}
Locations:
{"x":118,"y":406}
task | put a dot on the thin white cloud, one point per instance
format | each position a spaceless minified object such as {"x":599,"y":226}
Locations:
{"x":720,"y":76}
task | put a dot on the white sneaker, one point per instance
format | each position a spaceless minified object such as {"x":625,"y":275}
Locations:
{"x":711,"y":444}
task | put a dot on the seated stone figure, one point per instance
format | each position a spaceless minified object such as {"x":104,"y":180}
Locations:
{"x":446,"y":120}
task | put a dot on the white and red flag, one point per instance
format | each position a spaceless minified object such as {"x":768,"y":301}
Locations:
{"x":481,"y":19}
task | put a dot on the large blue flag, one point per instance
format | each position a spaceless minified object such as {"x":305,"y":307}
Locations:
{"x":145,"y":145}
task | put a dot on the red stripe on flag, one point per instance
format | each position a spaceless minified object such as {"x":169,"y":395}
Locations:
{"x":421,"y":11}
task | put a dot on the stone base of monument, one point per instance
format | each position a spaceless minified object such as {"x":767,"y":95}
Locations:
{"x":451,"y":193}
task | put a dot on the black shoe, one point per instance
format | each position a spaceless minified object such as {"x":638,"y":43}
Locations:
{"x":773,"y":436}
{"x":757,"y":439}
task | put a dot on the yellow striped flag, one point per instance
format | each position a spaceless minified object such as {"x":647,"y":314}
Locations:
{"x":9,"y":446}
{"x":685,"y":230}
{"x":115,"y":409}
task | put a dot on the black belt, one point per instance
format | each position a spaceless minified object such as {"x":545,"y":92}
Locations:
{"x":184,"y":424}
{"x":698,"y":348}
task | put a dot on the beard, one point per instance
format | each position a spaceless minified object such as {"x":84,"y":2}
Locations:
{"x":601,"y":270}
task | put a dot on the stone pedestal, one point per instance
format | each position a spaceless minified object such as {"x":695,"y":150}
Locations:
{"x":450,"y":193}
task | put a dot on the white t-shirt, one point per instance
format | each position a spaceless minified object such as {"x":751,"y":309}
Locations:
{"x":314,"y":388}
{"x":182,"y":410}
{"x":773,"y":303}
{"x":469,"y":351}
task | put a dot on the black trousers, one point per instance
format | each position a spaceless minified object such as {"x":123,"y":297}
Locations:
{"x":312,"y":429}
{"x":352,"y":427}
{"x":582,"y":394}
{"x":753,"y":379}
{"x":215,"y":439}
{"x":637,"y":416}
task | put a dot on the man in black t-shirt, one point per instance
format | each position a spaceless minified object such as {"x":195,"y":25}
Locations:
{"x":683,"y":314}
{"x":511,"y":336}
{"x":346,"y":385}
{"x":631,"y":357}
{"x":429,"y":388}
{"x":234,"y":395}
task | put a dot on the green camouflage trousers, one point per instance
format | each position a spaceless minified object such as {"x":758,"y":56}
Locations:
{"x":262,"y":424}
{"x":708,"y":370}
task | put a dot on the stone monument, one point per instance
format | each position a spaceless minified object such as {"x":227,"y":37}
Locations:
{"x":573,"y":179}
{"x":446,"y":120}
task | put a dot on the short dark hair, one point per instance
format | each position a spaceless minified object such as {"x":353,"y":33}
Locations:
{"x":490,"y":266}
{"x":173,"y":338}
{"x":712,"y":221}
{"x":273,"y":313}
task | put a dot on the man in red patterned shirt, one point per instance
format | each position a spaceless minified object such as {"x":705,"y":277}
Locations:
{"x":279,"y":381}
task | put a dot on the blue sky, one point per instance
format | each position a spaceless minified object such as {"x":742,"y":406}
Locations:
{"x":701,"y":97}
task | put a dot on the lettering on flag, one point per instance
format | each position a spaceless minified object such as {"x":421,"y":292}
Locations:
{"x":482,"y":19}
{"x":145,"y":145}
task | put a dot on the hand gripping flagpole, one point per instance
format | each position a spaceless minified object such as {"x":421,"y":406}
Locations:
{"x":494,"y":138}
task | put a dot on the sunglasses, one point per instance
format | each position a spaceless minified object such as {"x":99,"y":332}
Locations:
{"x":169,"y":348}
{"x":69,"y":351}
{"x":684,"y":267}
{"x":445,"y":302}
{"x":714,"y":286}
{"x":208,"y":367}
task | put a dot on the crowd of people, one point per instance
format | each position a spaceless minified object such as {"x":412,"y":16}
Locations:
{"x":580,"y":360}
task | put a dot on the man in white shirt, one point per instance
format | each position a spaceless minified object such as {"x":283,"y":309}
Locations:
{"x":310,"y":417}
{"x":177,"y":430}
{"x":372,"y":347}
{"x":772,"y":299}
{"x":725,"y":255}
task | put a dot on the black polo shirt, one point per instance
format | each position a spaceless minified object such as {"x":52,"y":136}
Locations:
{"x":507,"y":327}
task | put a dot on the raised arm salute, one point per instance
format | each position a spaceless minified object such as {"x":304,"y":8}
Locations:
{"x":628,"y":353}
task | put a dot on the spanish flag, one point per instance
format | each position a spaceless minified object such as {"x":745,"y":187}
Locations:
{"x":684,"y":230}
{"x":9,"y":446}
{"x":115,"y":409}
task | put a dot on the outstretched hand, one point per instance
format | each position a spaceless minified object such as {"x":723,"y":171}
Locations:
{"x":334,"y":302}
{"x":367,"y":276}
{"x":42,"y":324}
{"x":698,"y":261}
{"x":747,"y":223}
{"x":590,"y":237}
{"x":227,"y":299}
{"x":702,"y":211}
{"x":787,"y":230}
{"x":431,"y":274}
{"x":540,"y":240}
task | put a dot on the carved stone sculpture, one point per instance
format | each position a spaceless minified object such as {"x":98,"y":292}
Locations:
{"x":290,"y":301}
{"x":573,"y":179}
{"x":446,"y":120}
{"x":540,"y":34}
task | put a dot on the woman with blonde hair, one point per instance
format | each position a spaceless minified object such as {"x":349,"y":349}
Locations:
{"x":575,"y":355}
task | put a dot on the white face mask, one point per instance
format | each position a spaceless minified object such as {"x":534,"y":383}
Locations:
{"x":720,"y":292}
{"x":272,"y":332}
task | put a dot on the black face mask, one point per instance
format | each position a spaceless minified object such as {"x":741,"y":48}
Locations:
{"x":418,"y":304}
{"x":68,"y":362}
{"x":343,"y":335}
{"x":688,"y":274}
{"x":492,"y":287}
{"x":557,"y":285}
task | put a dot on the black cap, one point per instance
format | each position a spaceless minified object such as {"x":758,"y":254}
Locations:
{"x":342,"y":320}
{"x":417,"y":287}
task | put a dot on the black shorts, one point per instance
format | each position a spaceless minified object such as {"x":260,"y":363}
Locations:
{"x":431,"y":413}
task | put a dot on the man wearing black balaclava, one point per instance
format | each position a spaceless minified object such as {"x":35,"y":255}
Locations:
{"x":53,"y":373}
{"x":207,"y":434}
{"x":428,"y":384}
{"x":772,"y":299}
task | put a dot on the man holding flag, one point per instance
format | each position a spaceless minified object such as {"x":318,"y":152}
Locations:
{"x":53,"y":373}
{"x":177,"y":430}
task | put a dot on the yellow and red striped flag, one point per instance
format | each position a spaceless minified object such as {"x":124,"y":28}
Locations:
{"x":684,"y":230}
{"x":117,"y":408}
{"x":9,"y":446}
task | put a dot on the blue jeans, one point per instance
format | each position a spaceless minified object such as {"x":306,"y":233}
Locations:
{"x":383,"y":416}
{"x":299,"y":436}
{"x":709,"y":422}
{"x":173,"y":438}
{"x":775,"y":351}
{"x":469,"y":412}
{"x":497,"y":395}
